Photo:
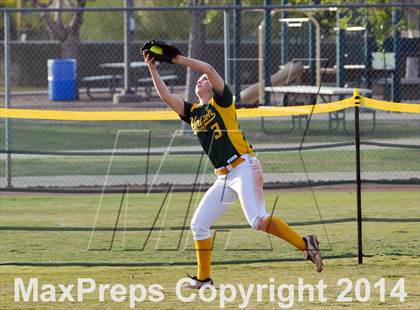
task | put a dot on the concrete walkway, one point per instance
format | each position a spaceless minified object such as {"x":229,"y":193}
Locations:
{"x":188,"y":179}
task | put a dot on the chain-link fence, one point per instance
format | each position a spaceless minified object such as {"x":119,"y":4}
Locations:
{"x":59,"y":155}
{"x":313,"y":45}
{"x":378,"y":51}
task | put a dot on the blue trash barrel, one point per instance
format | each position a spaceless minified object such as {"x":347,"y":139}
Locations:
{"x":62,"y":79}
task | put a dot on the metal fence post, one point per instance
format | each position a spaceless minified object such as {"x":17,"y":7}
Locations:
{"x":312,"y":51}
{"x":7,"y":97}
{"x":367,"y":56}
{"x":267,"y":50}
{"x":358,"y":176}
{"x":128,"y":37}
{"x":339,"y":52}
{"x":128,"y":94}
{"x":311,"y":47}
{"x":284,"y":37}
{"x":368,"y":47}
{"x":237,"y":51}
{"x":397,"y":49}
{"x":226,"y":41}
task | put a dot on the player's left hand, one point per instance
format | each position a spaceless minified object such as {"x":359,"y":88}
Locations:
{"x":160,"y":50}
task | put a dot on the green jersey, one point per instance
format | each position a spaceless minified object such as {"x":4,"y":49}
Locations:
{"x":217,"y":129}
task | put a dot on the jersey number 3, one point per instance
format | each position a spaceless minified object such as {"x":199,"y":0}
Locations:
{"x":217,"y":131}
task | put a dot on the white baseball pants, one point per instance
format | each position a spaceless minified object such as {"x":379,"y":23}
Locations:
{"x":244,"y":182}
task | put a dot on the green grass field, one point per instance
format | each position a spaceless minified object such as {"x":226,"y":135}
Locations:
{"x":36,"y":135}
{"x":389,"y":268}
{"x":325,"y":160}
{"x":57,"y":230}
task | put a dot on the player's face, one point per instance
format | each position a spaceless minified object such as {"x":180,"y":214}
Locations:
{"x":203,"y":87}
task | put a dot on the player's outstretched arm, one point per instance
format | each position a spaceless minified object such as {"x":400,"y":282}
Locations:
{"x":174,"y":101}
{"x":214,"y":77}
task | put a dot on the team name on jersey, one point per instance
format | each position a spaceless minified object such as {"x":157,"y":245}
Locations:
{"x":200,"y":123}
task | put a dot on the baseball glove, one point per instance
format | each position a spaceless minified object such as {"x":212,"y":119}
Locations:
{"x":160,"y":50}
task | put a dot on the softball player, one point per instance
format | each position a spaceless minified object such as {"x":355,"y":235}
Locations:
{"x":239,"y":173}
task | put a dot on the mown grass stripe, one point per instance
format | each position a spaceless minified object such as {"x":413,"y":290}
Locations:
{"x":178,"y":228}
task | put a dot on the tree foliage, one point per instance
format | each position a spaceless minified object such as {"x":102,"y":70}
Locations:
{"x":103,"y":26}
{"x":173,"y":25}
{"x":378,"y":21}
{"x":64,"y":26}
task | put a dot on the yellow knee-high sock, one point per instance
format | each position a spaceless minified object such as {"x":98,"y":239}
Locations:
{"x":277,"y":227}
{"x":203,"y":250}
